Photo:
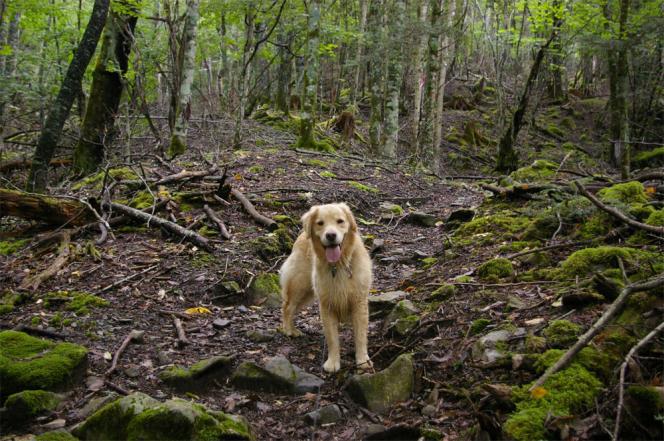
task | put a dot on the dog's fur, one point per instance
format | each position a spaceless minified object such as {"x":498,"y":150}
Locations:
{"x":341,"y":288}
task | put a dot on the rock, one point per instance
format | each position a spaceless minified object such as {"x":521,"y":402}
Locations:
{"x":278,"y":376}
{"x":260,"y":336}
{"x":421,"y":218}
{"x":198,"y":376}
{"x":579,"y":299}
{"x":29,"y":363}
{"x":325,"y":415}
{"x":138,"y":416}
{"x":514,"y":302}
{"x":458,"y":217}
{"x":373,"y":429}
{"x":132,"y":371}
{"x":56,"y":435}
{"x":377,"y":246}
{"x":265,"y":290}
{"x":95,"y":404}
{"x":381,"y":304}
{"x":491,"y":349}
{"x":163,"y":358}
{"x":22,"y":407}
{"x":443,"y":292}
{"x":500,"y":392}
{"x":274,"y":244}
{"x":55,"y":424}
{"x":402,"y":319}
{"x":94,"y":383}
{"x":429,"y":411}
{"x":377,"y":392}
{"x":220,"y":323}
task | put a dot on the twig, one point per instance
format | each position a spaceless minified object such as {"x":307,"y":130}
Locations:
{"x":60,"y":261}
{"x":270,"y":224}
{"x":182,"y":337}
{"x":125,"y":279}
{"x":184,"y":174}
{"x":220,"y":224}
{"x":623,"y":368}
{"x":115,"y":387}
{"x":617,"y":213}
{"x":175,"y":313}
{"x":134,"y":335}
{"x":615,"y":307}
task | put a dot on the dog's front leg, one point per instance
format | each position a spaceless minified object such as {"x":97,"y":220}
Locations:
{"x":360,"y":317}
{"x":331,"y":331}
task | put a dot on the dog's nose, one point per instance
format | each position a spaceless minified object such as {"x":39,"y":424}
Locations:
{"x":331,"y":237}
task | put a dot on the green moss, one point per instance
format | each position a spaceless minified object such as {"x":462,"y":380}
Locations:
{"x":160,"y":423}
{"x":595,"y":227}
{"x":82,"y":301}
{"x":650,"y":158}
{"x":56,"y":435}
{"x":256,"y":169}
{"x":9,"y":300}
{"x":30,"y":363}
{"x":527,"y":425}
{"x":443,"y":292}
{"x":130,"y":229}
{"x":363,"y":187}
{"x":589,"y":260}
{"x":9,"y":247}
{"x":656,"y":218}
{"x":540,"y":170}
{"x":327,"y":174}
{"x":535,"y":343}
{"x":317,"y":163}
{"x":176,"y":147}
{"x":94,"y":182}
{"x":142,"y":199}
{"x":56,"y":320}
{"x":479,"y":325}
{"x":272,"y":245}
{"x":207,"y":231}
{"x":495,"y":269}
{"x":561,"y":333}
{"x":28,"y":404}
{"x":649,"y":398}
{"x":202,"y":259}
{"x":555,"y":130}
{"x":504,"y":225}
{"x":591,"y":358}
{"x":628,"y":193}
{"x":429,"y":262}
{"x":519,"y":245}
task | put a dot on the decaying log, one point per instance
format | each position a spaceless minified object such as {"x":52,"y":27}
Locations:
{"x":134,"y":335}
{"x":220,"y":224}
{"x":154,"y":221}
{"x":617,"y":213}
{"x":16,"y":164}
{"x":268,"y":223}
{"x":50,"y":209}
{"x":34,"y":281}
{"x":614,"y":309}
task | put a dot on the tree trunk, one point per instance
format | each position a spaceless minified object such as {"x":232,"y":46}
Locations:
{"x":359,"y":56}
{"x":282,"y":93}
{"x":245,"y":72}
{"x":556,"y":74}
{"x":187,"y":69}
{"x":395,"y":70}
{"x":55,"y":121}
{"x":376,"y":75}
{"x":419,"y":73}
{"x":307,"y":138}
{"x":47,"y":209}
{"x":508,"y":160}
{"x":107,"y":87}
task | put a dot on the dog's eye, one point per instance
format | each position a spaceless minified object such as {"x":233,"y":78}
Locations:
{"x":340,"y":221}
{"x":320,"y":222}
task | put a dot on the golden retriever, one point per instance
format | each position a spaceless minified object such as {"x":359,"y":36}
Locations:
{"x":329,"y":261}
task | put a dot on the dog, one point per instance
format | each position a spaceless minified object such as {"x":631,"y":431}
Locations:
{"x":329,"y":262}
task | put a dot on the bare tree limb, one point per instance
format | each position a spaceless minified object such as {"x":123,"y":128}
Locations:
{"x":220,"y":224}
{"x":251,"y":210}
{"x":134,"y":335}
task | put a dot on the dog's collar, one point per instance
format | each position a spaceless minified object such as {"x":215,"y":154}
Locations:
{"x":333,"y":270}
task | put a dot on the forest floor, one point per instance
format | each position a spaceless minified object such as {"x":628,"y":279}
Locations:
{"x":141,"y":273}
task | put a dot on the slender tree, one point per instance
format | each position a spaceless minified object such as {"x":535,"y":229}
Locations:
{"x":50,"y":134}
{"x":394,"y":78}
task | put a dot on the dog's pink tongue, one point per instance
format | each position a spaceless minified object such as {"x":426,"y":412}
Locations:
{"x":333,"y":254}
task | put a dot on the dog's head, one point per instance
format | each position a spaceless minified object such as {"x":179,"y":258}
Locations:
{"x":331,"y":228}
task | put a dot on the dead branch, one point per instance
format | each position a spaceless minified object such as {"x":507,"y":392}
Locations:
{"x":126,"y":279}
{"x":186,"y":175}
{"x":181,"y":315}
{"x":50,"y":209}
{"x":115,"y":387}
{"x":220,"y":224}
{"x":154,"y":221}
{"x":614,"y":309}
{"x":548,"y":248}
{"x":617,"y":213}
{"x":623,"y":369}
{"x":182,"y":337}
{"x":33,"y":282}
{"x":268,"y":223}
{"x":133,"y":336}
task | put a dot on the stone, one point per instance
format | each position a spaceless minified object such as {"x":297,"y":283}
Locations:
{"x":422,"y":219}
{"x":95,"y":404}
{"x":220,"y":323}
{"x":22,"y":407}
{"x":383,"y":303}
{"x":163,"y":358}
{"x":132,"y":371}
{"x":402,"y":319}
{"x":260,"y":336}
{"x":429,"y":410}
{"x":491,"y":348}
{"x":265,"y":290}
{"x":514,"y":302}
{"x":56,"y":435}
{"x":325,"y":415}
{"x":55,"y":424}
{"x":378,"y":392}
{"x":199,"y":376}
{"x":579,"y":299}
{"x":460,"y":216}
{"x":278,"y":376}
{"x":138,"y":416}
{"x":29,"y":363}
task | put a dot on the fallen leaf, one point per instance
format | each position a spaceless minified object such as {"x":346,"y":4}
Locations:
{"x":198,"y":310}
{"x":538,"y":392}
{"x":108,"y":356}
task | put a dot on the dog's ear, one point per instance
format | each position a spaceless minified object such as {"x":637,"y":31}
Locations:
{"x":349,"y":216}
{"x":308,"y":219}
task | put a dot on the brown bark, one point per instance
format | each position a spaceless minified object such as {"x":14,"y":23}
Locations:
{"x":52,"y":210}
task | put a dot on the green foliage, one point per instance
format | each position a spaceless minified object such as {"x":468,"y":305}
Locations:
{"x":650,"y":158}
{"x":9,"y":247}
{"x":479,"y":325}
{"x":443,"y":292}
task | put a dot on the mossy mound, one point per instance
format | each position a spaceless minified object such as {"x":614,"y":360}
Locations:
{"x":78,"y":302}
{"x":628,"y":193}
{"x":378,"y":392}
{"x":561,"y":333}
{"x":29,"y":363}
{"x":479,"y":325}
{"x":443,"y":292}
{"x":540,"y":170}
{"x":94,"y":182}
{"x":591,"y":358}
{"x":588,"y":260}
{"x":9,"y":247}
{"x":565,"y":394}
{"x":502,"y":225}
{"x":56,"y":435}
{"x":198,"y":376}
{"x":10,"y":299}
{"x":140,"y":417}
{"x":25,"y":406}
{"x":495,"y":269}
{"x":363,"y":187}
{"x":650,"y":158}
{"x":274,"y":244}
{"x":265,"y":290}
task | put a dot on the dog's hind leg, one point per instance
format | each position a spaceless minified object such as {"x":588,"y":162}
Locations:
{"x":360,"y":315}
{"x":293,"y":302}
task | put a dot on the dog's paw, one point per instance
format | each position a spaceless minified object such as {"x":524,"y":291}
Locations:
{"x":293,"y":332}
{"x":332,"y":365}
{"x":364,"y":364}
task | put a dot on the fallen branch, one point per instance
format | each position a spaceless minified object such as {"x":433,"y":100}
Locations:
{"x":617,"y":213}
{"x":115,"y":387}
{"x":186,"y":175}
{"x":182,"y":337}
{"x":220,"y":224}
{"x":613,"y":310}
{"x":268,"y":223}
{"x":50,"y":209}
{"x":154,"y":221}
{"x":126,"y":279}
{"x":181,"y":315}
{"x":623,"y":368}
{"x":134,"y":335}
{"x":33,"y":282}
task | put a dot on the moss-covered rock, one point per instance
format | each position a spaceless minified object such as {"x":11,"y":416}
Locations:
{"x":489,"y":228}
{"x":588,"y":260}
{"x":495,"y":269}
{"x":650,"y":158}
{"x":402,"y":319}
{"x":10,"y":299}
{"x":363,"y":187}
{"x":278,"y":376}
{"x":265,"y":290}
{"x":94,"y":182}
{"x":378,"y":392}
{"x":479,"y":325}
{"x":274,"y":244}
{"x":562,"y":333}
{"x":56,"y":435}
{"x":540,"y":170}
{"x":29,"y":363}
{"x":535,"y":344}
{"x":628,"y":193}
{"x":140,"y":417}
{"x":10,"y":246}
{"x":198,"y":376}
{"x":443,"y":292}
{"x":78,"y":302}
{"x":25,"y":406}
